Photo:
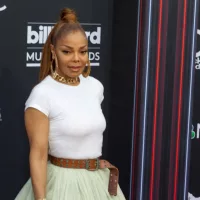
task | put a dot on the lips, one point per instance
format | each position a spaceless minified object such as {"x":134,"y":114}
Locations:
{"x":75,"y":68}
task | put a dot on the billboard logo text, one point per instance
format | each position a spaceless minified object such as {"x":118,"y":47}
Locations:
{"x":37,"y":34}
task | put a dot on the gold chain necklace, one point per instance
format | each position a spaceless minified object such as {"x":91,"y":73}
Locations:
{"x":66,"y":79}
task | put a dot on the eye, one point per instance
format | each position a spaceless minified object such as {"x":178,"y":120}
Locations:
{"x":84,"y":52}
{"x":66,"y":52}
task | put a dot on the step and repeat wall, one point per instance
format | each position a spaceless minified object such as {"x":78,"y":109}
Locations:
{"x":24,"y":29}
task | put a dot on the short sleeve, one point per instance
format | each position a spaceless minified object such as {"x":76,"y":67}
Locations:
{"x":101,"y":93}
{"x":39,"y":100}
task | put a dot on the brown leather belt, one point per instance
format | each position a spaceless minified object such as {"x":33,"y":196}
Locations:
{"x":91,"y":165}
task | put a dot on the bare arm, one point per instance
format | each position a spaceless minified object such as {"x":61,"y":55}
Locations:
{"x":37,"y":126}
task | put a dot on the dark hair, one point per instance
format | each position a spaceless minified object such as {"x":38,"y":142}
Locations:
{"x":67,"y":23}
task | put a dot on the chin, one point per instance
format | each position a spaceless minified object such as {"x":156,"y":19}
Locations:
{"x":74,"y":74}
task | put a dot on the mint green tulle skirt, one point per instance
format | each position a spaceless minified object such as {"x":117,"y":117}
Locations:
{"x":73,"y":184}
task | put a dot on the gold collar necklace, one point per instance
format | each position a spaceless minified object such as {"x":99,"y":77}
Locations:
{"x":65,"y":79}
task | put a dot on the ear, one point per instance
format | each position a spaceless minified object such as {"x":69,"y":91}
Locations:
{"x":52,"y":51}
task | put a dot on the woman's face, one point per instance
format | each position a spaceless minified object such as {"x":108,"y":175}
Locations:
{"x":71,"y":52}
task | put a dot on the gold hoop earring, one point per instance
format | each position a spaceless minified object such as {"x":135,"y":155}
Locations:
{"x":87,"y":70}
{"x":51,"y":67}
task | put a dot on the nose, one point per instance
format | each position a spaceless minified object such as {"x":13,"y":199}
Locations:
{"x":76,"y":57}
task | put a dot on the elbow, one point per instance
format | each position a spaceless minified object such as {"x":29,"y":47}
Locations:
{"x":38,"y":153}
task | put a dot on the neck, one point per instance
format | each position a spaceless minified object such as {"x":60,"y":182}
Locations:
{"x":66,"y":79}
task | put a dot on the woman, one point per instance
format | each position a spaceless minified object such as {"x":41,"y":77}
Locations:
{"x":63,"y":118}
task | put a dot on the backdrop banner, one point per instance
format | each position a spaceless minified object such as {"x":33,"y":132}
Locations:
{"x":163,"y":101}
{"x":24,"y":28}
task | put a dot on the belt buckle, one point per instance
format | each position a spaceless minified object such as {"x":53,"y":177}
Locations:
{"x":88,"y":167}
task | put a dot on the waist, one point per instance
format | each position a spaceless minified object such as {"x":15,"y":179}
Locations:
{"x":91,"y":165}
{"x":76,"y":155}
{"x":75,"y":150}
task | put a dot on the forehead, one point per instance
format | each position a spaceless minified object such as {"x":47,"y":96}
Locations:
{"x":73,"y":39}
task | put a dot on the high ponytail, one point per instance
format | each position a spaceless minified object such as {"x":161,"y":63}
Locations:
{"x":68,"y":15}
{"x":46,"y":58}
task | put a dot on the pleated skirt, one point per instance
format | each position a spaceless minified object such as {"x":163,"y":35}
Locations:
{"x":73,"y":184}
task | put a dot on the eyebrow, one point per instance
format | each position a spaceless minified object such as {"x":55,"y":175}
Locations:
{"x":72,"y":47}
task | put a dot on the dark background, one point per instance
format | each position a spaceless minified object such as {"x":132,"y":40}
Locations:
{"x":195,"y":144}
{"x":116,"y":72}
